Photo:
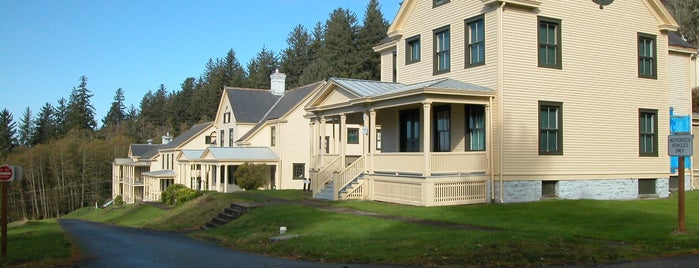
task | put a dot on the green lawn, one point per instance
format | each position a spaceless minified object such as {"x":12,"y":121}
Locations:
{"x":37,"y":244}
{"x":528,"y":234}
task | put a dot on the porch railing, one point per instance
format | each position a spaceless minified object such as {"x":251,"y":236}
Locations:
{"x":442,"y":162}
{"x":325,"y":174}
{"x":347,"y":175}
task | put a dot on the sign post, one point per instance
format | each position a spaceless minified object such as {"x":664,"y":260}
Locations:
{"x":7,"y":174}
{"x":680,"y":145}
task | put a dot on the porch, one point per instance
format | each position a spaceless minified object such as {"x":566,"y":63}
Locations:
{"x":418,"y":149}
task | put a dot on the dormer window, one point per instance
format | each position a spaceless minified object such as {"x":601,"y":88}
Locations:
{"x":211,"y":138}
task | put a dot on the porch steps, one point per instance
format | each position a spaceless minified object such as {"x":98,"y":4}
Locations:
{"x":327,"y":192}
{"x":228,"y":214}
{"x":356,"y":183}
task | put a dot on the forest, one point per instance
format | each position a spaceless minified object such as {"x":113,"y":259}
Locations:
{"x":66,"y":154}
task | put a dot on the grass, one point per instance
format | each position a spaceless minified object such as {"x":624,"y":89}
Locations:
{"x":528,"y":234}
{"x":37,"y":244}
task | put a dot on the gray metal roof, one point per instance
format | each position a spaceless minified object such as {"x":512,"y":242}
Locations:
{"x":123,"y":161}
{"x":368,"y":88}
{"x":250,"y":105}
{"x":140,"y":149}
{"x":243,"y":153}
{"x":185,"y":136}
{"x":192,"y":154}
{"x":365,"y":88}
{"x":289,"y":100}
{"x":165,"y":173}
{"x":151,"y":152}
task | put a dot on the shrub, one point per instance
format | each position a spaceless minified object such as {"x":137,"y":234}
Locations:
{"x":250,"y":176}
{"x":118,"y":200}
{"x":177,"y":194}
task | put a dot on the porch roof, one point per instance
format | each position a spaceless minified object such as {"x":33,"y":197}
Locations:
{"x":191,"y":154}
{"x":122,"y":161}
{"x":165,"y":173}
{"x":240,"y":154}
{"x":368,"y":88}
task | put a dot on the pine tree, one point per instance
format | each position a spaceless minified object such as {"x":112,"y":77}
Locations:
{"x":60,"y":114}
{"x":116,"y":113}
{"x":7,"y":133}
{"x":81,"y":113}
{"x":25,"y":128}
{"x":373,"y":30}
{"x":296,"y":56}
{"x":318,"y":69}
{"x":340,"y":48}
{"x":45,"y":127}
{"x":260,"y":67}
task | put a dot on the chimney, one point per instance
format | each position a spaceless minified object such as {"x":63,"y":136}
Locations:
{"x":150,"y":141}
{"x":278,"y":82}
{"x":167,"y":138}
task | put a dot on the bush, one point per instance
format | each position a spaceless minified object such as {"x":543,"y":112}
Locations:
{"x":118,"y":200}
{"x":177,"y":194}
{"x":250,"y":176}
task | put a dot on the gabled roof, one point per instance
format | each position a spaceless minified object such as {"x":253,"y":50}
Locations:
{"x":250,"y":105}
{"x":191,"y":154}
{"x":151,"y":152}
{"x":365,"y":88}
{"x":186,"y":136}
{"x":241,"y":154}
{"x":137,"y":150}
{"x":291,"y":99}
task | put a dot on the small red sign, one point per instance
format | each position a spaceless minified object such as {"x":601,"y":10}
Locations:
{"x":5,"y":173}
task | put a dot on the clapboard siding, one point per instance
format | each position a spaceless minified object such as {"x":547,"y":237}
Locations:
{"x":598,"y":86}
{"x":680,"y":83}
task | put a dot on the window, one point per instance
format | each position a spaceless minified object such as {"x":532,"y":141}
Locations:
{"x":394,"y":72}
{"x":548,"y":189}
{"x":475,"y":128}
{"x":227,"y":117}
{"x":441,"y":50}
{"x":223,"y":134}
{"x":648,"y":132}
{"x":409,"y":130}
{"x":647,"y":60}
{"x":273,"y":136}
{"x":442,"y":129}
{"x":230,"y":137}
{"x":550,"y":128}
{"x":436,"y":3}
{"x":549,"y":43}
{"x":378,"y":139}
{"x":299,"y":169}
{"x":475,"y":40}
{"x":352,"y":136}
{"x":211,"y":138}
{"x":646,"y":187}
{"x":412,"y":49}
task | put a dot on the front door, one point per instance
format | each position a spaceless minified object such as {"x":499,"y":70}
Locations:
{"x":409,"y":130}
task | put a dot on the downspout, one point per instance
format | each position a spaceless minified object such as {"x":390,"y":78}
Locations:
{"x":500,"y":93}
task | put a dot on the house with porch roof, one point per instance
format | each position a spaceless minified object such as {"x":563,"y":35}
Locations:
{"x":508,"y":101}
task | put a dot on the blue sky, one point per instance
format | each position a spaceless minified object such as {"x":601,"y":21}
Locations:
{"x":45,"y":46}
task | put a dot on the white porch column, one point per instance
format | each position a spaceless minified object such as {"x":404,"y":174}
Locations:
{"x":426,"y":140}
{"x":365,"y":134}
{"x":225,"y":178}
{"x":312,"y":144}
{"x":342,"y":139}
{"x":322,"y":141}
{"x":371,"y":140}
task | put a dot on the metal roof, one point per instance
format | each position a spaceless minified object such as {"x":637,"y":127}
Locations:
{"x":676,"y":39}
{"x":447,"y":83}
{"x":165,"y":173}
{"x":140,"y":149}
{"x":365,"y":88}
{"x":123,"y":161}
{"x":243,"y":153}
{"x":192,"y":154}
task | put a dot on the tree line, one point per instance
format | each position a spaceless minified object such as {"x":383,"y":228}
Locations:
{"x":66,"y":157}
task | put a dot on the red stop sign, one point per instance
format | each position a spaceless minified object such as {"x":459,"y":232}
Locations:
{"x":5,"y":173}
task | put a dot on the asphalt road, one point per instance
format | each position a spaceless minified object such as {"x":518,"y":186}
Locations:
{"x":113,"y":246}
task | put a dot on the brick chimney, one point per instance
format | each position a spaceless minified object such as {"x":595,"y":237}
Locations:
{"x":278,"y":84}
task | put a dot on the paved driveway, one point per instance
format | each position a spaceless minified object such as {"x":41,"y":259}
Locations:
{"x":113,"y":246}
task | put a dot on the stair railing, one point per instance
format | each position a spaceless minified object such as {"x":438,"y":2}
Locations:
{"x":325,"y":174}
{"x":347,"y":175}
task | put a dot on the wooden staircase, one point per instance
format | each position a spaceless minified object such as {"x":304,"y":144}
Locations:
{"x":228,"y":214}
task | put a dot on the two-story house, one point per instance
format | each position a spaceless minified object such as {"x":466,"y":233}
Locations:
{"x":508,"y":101}
{"x":127,"y":179}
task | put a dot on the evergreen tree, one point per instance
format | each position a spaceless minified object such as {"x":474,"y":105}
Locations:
{"x":60,"y":114}
{"x":7,"y":133}
{"x":116,"y":113}
{"x":81,"y":113}
{"x":260,"y":67}
{"x":45,"y":127}
{"x":318,"y":68}
{"x":25,"y":128}
{"x":340,"y":49}
{"x":233,"y":72}
{"x":183,"y":108}
{"x":373,"y":30}
{"x":296,"y":56}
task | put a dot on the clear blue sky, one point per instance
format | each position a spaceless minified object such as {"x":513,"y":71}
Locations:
{"x":45,"y":46}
